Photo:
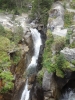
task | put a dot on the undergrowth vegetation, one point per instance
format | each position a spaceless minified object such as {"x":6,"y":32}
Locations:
{"x":68,"y":19}
{"x":53,"y":60}
{"x":40,"y":10}
{"x":8,"y":44}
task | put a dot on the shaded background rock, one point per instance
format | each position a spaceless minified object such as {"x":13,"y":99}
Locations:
{"x":36,"y":92}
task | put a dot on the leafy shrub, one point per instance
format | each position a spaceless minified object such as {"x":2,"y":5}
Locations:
{"x":47,"y":51}
{"x":72,"y":45}
{"x":7,"y":78}
{"x":4,"y":43}
{"x":69,"y":33}
{"x":61,"y":65}
{"x":40,"y":10}
{"x":17,"y":35}
{"x":2,"y":30}
{"x":68,"y":19}
{"x":72,"y":4}
{"x":73,"y":62}
{"x":8,"y":43}
{"x":47,"y":55}
{"x":56,"y":63}
{"x":59,"y":44}
{"x":40,"y":76}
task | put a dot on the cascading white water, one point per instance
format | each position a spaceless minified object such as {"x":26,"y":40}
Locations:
{"x":37,"y":42}
{"x":25,"y":94}
{"x":69,"y":95}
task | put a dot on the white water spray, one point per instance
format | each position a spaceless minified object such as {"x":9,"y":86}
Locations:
{"x":25,"y":94}
{"x":69,"y":95}
{"x":37,"y":43}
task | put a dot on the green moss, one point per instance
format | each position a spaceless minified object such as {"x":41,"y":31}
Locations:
{"x":73,"y":62}
{"x":59,"y":44}
{"x":68,"y":19}
{"x":40,"y":76}
{"x":4,"y":43}
{"x":59,"y":73}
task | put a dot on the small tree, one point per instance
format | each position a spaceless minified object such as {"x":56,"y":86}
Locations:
{"x":40,"y":10}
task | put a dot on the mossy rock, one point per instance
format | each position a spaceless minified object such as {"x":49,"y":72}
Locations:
{"x":40,"y":75}
{"x":4,"y":43}
{"x":59,"y":73}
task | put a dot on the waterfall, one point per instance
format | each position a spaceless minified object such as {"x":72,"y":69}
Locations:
{"x":37,"y":42}
{"x":25,"y":94}
{"x":68,"y":95}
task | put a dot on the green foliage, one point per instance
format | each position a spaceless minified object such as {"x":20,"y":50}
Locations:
{"x":16,"y":57}
{"x":40,"y":76}
{"x":68,"y":19}
{"x":72,"y":4}
{"x":59,"y":73}
{"x":69,"y":33}
{"x":73,"y":62}
{"x":17,"y":35}
{"x":40,"y":10}
{"x":2,"y":30}
{"x":47,"y":55}
{"x":7,"y":78}
{"x":59,"y":44}
{"x":4,"y":43}
{"x":47,"y":50}
{"x":17,"y":6}
{"x":72,"y":45}
{"x":4,"y":4}
{"x":57,"y":63}
{"x":61,"y":65}
{"x":8,"y":42}
{"x":5,"y":62}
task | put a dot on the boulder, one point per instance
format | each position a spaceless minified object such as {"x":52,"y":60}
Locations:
{"x":47,"y":80}
{"x":56,"y":15}
{"x":68,"y":53}
{"x":56,"y":20}
{"x":50,"y":87}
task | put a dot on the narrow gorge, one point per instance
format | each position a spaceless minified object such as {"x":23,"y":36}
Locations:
{"x":37,"y":51}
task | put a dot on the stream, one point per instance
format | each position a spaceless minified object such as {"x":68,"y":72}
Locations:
{"x":37,"y":42}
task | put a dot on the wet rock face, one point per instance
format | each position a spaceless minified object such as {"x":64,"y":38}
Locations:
{"x":47,"y":79}
{"x":31,"y":79}
{"x":36,"y":93}
{"x":20,"y":74}
{"x":43,"y":37}
{"x":50,"y":87}
{"x":6,"y":96}
{"x":53,"y":86}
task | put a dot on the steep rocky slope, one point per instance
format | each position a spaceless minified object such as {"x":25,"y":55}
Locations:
{"x":57,"y":72}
